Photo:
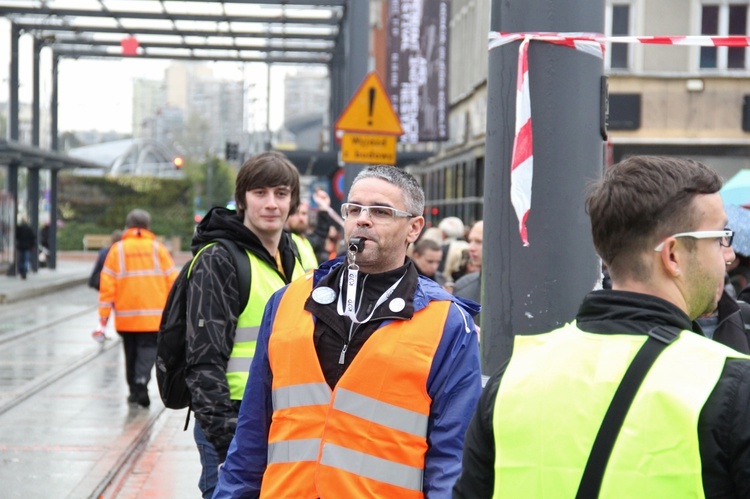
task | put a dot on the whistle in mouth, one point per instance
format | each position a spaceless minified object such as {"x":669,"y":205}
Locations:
{"x":356,"y":244}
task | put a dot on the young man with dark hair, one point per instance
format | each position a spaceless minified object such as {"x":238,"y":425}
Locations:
{"x":627,"y":400}
{"x":221,"y":331}
{"x":365,"y":374}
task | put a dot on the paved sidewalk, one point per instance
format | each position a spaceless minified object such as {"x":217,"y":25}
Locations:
{"x":72,"y":269}
{"x":166,"y":465}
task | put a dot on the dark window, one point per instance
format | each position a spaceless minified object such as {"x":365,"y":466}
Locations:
{"x":460,"y":180}
{"x":737,"y":26}
{"x":620,"y":27}
{"x":624,"y":111}
{"x":709,"y":26}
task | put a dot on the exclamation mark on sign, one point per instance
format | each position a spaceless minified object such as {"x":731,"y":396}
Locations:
{"x":372,"y":104}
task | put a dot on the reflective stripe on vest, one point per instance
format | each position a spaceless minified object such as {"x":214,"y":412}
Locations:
{"x":379,"y":412}
{"x":290,"y":451}
{"x":372,"y":430}
{"x":264,"y":282}
{"x":301,"y":395}
{"x":554,"y":394}
{"x":374,"y":468}
{"x":306,"y":252}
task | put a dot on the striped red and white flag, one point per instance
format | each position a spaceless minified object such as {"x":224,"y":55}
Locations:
{"x":522,"y":162}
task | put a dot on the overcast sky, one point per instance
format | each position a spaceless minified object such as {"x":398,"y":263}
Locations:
{"x":97,"y":93}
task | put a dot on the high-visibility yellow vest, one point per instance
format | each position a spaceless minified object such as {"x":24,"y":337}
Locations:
{"x":264,"y":282}
{"x":554,"y":395}
{"x":306,"y":252}
{"x":366,"y":438}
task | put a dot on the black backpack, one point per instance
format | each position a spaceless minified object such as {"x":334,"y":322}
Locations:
{"x":171,"y":345}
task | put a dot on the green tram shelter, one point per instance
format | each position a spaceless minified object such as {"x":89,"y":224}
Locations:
{"x":333,"y":33}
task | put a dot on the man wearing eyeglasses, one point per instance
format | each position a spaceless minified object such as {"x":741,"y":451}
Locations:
{"x":627,"y":400}
{"x":365,"y":374}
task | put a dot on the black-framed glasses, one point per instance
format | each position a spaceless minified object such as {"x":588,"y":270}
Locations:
{"x":725,"y":236}
{"x":354,"y":210}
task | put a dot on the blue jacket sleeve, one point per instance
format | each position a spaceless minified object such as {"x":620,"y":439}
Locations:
{"x":454,"y":384}
{"x":242,"y":472}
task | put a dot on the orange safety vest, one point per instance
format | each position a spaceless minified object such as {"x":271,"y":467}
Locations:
{"x":367,"y":438}
{"x":137,"y":276}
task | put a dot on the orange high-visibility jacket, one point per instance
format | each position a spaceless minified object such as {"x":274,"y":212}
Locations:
{"x":135,"y":281}
{"x":367,"y":438}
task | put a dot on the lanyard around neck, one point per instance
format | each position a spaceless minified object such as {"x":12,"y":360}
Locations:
{"x":351,"y":294}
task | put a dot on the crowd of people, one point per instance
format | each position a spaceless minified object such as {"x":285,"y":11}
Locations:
{"x":352,"y":370}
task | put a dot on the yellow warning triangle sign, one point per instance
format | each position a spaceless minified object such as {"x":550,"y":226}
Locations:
{"x":370,"y":110}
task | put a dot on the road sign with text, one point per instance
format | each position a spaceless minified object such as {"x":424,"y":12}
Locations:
{"x":368,"y":148}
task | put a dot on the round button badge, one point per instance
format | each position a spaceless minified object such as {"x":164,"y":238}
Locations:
{"x":323,"y":295}
{"x":397,"y":305}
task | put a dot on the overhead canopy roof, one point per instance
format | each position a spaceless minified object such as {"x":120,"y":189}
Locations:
{"x":33,"y":157}
{"x":290,"y":31}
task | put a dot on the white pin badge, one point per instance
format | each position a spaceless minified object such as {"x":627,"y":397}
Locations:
{"x":397,"y":305}
{"x":323,"y":295}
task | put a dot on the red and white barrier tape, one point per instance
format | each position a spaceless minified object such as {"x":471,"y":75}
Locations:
{"x":522,"y":162}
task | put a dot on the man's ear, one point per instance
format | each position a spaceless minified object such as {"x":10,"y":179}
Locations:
{"x":416,"y":225}
{"x":670,"y":258}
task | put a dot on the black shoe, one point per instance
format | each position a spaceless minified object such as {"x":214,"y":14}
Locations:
{"x":141,"y":395}
{"x":132,"y":398}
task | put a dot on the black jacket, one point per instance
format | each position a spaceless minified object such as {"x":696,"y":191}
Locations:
{"x":723,"y":425}
{"x":213,"y":298}
{"x":730,"y":330}
{"x":25,"y":237}
{"x":333,"y":332}
{"x":320,"y":235}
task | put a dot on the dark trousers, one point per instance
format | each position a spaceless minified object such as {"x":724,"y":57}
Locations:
{"x":140,"y":355}
{"x":24,"y":259}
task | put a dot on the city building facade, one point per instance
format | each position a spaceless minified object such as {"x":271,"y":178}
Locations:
{"x":688,"y":101}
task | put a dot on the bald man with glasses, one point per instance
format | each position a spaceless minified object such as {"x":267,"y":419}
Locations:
{"x":627,"y":400}
{"x":365,"y":374}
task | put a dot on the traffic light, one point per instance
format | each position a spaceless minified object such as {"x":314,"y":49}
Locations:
{"x":232,"y":151}
{"x":178,"y":162}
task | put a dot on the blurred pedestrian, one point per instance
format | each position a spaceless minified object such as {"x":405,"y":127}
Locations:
{"x":626,"y":401}
{"x":310,"y":245}
{"x":426,"y":256}
{"x":433,"y":233}
{"x":365,"y":375}
{"x":135,"y":281}
{"x":221,"y":331}
{"x":729,"y":323}
{"x":455,"y":263}
{"x":25,"y":244}
{"x":470,"y":285}
{"x":95,"y":276}
{"x":452,"y":229}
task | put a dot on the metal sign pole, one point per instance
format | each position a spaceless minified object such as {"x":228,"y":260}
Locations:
{"x":536,"y":288}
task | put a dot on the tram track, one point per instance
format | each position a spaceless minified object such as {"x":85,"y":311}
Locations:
{"x":32,"y":389}
{"x":66,"y":429}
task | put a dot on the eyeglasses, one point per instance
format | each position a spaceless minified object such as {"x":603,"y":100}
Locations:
{"x":725,"y":237}
{"x":353,"y":210}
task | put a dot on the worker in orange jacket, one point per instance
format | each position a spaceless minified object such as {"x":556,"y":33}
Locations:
{"x":135,"y":281}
